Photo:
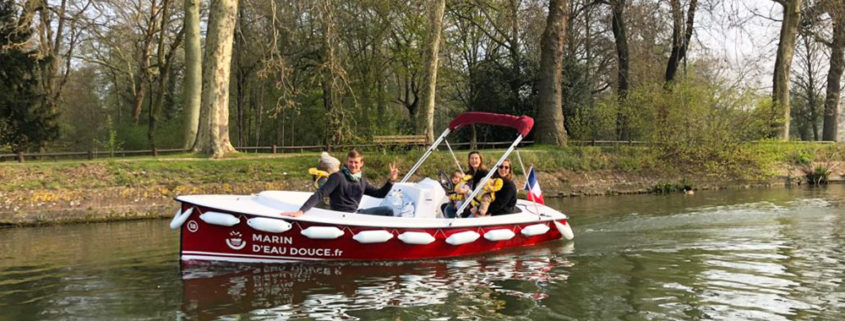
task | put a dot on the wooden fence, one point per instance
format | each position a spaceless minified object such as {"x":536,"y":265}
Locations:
{"x":273,"y":149}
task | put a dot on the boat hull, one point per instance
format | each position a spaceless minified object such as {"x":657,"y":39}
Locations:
{"x":324,"y":241}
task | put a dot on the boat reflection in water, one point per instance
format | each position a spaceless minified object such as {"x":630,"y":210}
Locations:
{"x":508,"y":283}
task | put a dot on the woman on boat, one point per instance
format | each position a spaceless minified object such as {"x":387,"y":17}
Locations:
{"x":505,"y":202}
{"x":477,"y":170}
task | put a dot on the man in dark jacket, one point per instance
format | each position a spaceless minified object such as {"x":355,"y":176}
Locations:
{"x":346,"y":187}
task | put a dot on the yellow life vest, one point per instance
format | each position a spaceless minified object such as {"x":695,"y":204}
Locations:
{"x":490,"y":188}
{"x":318,"y":176}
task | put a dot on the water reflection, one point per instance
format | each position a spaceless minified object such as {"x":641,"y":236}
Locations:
{"x":492,"y":286}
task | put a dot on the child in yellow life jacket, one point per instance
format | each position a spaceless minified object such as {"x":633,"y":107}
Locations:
{"x":460,"y":190}
{"x":481,"y":203}
{"x":326,"y":166}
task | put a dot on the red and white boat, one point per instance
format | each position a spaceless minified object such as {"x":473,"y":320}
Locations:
{"x":249,"y":228}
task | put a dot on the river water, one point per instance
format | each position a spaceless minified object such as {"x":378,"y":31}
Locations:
{"x":770,"y":254}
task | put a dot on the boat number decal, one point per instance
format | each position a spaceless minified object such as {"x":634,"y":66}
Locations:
{"x":193,"y":226}
{"x":275,"y":245}
{"x":235,"y":241}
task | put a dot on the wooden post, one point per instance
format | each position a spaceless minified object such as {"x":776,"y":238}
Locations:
{"x":90,"y":154}
{"x":155,"y":152}
{"x":274,"y":148}
{"x":20,"y":157}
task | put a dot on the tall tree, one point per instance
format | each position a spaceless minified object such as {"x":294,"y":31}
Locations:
{"x":425,"y":122}
{"x":192,"y":89}
{"x":834,"y":75}
{"x":213,"y":133}
{"x":549,"y":111}
{"x":783,"y":63}
{"x":164,"y":62}
{"x":620,"y":37}
{"x":26,"y":121}
{"x":681,"y":35}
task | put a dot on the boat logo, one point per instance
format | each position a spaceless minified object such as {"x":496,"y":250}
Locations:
{"x":193,"y":226}
{"x":235,"y":241}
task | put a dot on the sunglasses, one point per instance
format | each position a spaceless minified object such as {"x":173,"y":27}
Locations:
{"x":504,"y":167}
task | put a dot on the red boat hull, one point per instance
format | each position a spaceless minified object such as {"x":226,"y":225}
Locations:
{"x":202,"y":241}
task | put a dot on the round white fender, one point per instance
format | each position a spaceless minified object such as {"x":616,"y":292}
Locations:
{"x":421,"y":238}
{"x":535,"y":229}
{"x":565,"y":230}
{"x":462,"y":237}
{"x":322,"y":232}
{"x":217,"y":218}
{"x":270,"y":225}
{"x":180,"y":218}
{"x":376,"y":236}
{"x":499,"y":235}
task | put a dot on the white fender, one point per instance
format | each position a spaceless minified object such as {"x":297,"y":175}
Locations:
{"x":217,"y":218}
{"x":180,"y":218}
{"x":499,"y":235}
{"x":269,"y":224}
{"x":322,"y":232}
{"x":462,"y":237}
{"x":375,"y":236}
{"x":421,"y":238}
{"x":535,"y":229}
{"x":565,"y":230}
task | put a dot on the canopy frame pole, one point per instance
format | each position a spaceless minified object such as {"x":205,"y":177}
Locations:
{"x":454,"y":157}
{"x":489,"y":174}
{"x":425,"y":156}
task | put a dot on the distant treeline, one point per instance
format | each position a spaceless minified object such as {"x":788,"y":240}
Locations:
{"x":111,"y":74}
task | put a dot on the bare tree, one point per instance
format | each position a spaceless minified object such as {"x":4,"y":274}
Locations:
{"x":436,"y":9}
{"x":681,"y":35}
{"x":621,"y":39}
{"x":783,"y":62}
{"x":549,"y":111}
{"x":213,"y":133}
{"x":830,"y":130}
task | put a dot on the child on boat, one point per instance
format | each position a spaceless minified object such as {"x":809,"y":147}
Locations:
{"x":326,"y":166}
{"x":460,"y":190}
{"x":481,"y":203}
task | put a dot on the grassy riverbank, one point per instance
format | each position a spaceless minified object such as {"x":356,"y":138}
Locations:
{"x":129,"y":188}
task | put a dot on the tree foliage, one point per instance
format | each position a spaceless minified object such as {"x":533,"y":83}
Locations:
{"x":26,"y":121}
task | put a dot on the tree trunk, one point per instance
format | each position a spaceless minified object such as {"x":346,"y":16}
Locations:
{"x":681,"y":36}
{"x":549,"y":108}
{"x":834,"y":75}
{"x":164,"y":62}
{"x":783,"y":62}
{"x":621,"y":39}
{"x":435,"y":25}
{"x":334,"y":130}
{"x":213,"y":137}
{"x":193,"y":71}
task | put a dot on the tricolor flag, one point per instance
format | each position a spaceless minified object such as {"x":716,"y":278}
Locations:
{"x":533,"y":188}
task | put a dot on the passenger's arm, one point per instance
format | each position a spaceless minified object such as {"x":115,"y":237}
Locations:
{"x":377,"y":192}
{"x":331,"y":184}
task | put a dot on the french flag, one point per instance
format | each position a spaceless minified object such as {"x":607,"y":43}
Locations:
{"x":534,"y":192}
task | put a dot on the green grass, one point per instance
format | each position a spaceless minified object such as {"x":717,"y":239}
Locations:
{"x":193,"y":169}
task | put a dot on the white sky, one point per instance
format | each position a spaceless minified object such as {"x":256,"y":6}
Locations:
{"x":741,"y":33}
